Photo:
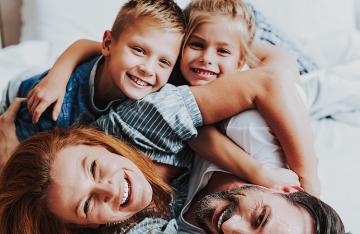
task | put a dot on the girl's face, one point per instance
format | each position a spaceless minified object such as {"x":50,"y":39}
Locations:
{"x":212,"y":50}
{"x":92,"y":186}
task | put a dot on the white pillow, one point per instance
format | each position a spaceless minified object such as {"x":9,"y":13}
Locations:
{"x":357,"y":13}
{"x":306,"y":18}
{"x":62,"y":22}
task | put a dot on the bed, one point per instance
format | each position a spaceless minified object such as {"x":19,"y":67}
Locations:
{"x":34,"y":32}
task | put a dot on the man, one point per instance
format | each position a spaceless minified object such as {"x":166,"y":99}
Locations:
{"x":219,"y":202}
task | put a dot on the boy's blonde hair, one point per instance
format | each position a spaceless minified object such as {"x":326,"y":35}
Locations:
{"x":201,"y":11}
{"x":166,"y":12}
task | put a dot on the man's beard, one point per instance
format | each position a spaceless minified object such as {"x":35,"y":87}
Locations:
{"x":207,"y":205}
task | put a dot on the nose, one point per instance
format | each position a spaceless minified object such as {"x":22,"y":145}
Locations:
{"x":236,"y":225}
{"x":106,"y":191}
{"x":207,"y":57}
{"x":147,"y":68}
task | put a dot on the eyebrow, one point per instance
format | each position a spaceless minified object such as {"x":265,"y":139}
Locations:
{"x":196,"y":37}
{"x":221,"y":43}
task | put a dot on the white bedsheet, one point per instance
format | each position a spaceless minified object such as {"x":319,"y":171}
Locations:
{"x":338,"y":150}
{"x":337,"y":143}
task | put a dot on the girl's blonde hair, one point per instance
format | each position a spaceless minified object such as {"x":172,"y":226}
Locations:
{"x":25,"y":180}
{"x":201,"y":11}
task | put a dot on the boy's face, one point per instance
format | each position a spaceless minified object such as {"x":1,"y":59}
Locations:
{"x":212,"y":50}
{"x":141,"y":60}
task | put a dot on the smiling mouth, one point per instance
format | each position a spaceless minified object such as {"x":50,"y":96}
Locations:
{"x":222,"y":217}
{"x":138,"y":81}
{"x":126,"y":194}
{"x":203,"y":72}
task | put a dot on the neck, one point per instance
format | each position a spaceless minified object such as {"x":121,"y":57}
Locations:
{"x":220,"y":181}
{"x":167,"y":172}
{"x":103,"y":81}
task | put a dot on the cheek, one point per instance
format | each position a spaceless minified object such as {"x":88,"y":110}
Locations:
{"x":229,"y":66}
{"x":104,"y":215}
{"x":186,"y":58}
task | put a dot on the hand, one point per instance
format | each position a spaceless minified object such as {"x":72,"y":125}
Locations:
{"x":8,"y":139}
{"x":311,"y":185}
{"x":47,"y":92}
{"x":276,"y":178}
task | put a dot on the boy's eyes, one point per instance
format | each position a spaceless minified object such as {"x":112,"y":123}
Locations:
{"x":165,"y":62}
{"x":138,"y":50}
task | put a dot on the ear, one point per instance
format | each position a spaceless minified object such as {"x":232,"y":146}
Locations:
{"x":106,"y":42}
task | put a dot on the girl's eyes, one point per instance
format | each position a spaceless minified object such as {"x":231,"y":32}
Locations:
{"x":196,"y":45}
{"x":223,"y":51}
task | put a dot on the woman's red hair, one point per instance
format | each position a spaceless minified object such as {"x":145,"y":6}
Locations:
{"x":26,"y":177}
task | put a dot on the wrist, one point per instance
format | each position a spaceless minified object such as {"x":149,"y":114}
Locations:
{"x":260,"y":175}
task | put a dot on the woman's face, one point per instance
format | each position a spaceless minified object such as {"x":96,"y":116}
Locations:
{"x":212,"y":50}
{"x":92,"y":186}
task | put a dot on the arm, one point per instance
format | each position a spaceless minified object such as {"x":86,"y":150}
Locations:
{"x":8,"y":139}
{"x":52,"y":88}
{"x":275,"y":56}
{"x":219,"y":149}
{"x":275,"y":96}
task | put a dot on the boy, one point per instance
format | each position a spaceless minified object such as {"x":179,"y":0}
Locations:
{"x":139,"y":54}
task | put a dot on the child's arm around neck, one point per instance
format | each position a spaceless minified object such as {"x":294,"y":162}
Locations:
{"x":269,"y":89}
{"x":53,"y":87}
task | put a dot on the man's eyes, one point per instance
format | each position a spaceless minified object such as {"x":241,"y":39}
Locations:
{"x":263,"y":217}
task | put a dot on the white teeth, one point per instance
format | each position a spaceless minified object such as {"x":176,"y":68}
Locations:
{"x":138,"y":81}
{"x":204,"y":72}
{"x":126,"y":192}
{"x":220,"y":220}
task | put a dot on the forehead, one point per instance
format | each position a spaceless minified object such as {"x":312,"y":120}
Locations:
{"x":66,"y":174}
{"x":149,"y":31}
{"x":285,"y":216}
{"x":220,"y":29}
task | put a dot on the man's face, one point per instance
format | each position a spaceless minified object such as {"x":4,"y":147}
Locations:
{"x":141,"y":60}
{"x":251,"y":209}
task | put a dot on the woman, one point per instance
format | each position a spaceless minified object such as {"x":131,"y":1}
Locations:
{"x":39,"y":192}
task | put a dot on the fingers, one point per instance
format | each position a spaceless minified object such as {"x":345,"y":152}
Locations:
{"x":34,"y":98}
{"x":11,"y":112}
{"x":38,"y":111}
{"x":38,"y":101}
{"x":57,"y":109}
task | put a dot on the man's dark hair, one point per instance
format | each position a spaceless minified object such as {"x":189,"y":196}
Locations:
{"x":326,"y":219}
